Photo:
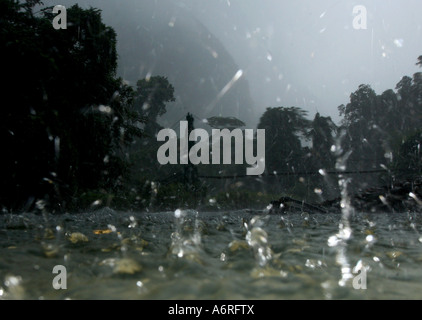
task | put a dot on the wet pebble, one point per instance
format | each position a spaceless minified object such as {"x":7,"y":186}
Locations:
{"x":77,"y":237}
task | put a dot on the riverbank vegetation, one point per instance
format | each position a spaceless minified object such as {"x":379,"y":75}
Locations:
{"x":76,"y":136}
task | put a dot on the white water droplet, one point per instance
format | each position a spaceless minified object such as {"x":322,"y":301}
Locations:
{"x":398,"y":43}
{"x":322,"y":172}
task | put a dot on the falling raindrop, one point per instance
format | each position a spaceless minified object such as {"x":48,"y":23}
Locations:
{"x":133,"y":222}
{"x":398,"y":43}
{"x":104,"y":109}
{"x":57,"y":147}
{"x":178,"y":213}
{"x":318,"y":191}
{"x":172,"y":22}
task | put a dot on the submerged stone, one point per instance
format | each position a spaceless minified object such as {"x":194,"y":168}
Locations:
{"x":77,"y":237}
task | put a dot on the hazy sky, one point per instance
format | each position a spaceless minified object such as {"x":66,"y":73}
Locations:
{"x":303,"y":53}
{"x":307,"y":53}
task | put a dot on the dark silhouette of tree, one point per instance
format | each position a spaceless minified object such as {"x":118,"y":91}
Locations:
{"x":66,"y":117}
{"x":322,"y":133}
{"x":151,"y":98}
{"x":360,"y":109}
{"x":406,"y":138}
{"x":364,"y":120}
{"x":383,"y":130}
{"x":152,"y":95}
{"x":284,"y":128}
{"x":408,"y":116}
{"x":190,"y":170}
{"x":419,"y":63}
{"x":225,"y":123}
{"x":360,"y":120}
{"x":408,"y":159}
{"x":404,"y":90}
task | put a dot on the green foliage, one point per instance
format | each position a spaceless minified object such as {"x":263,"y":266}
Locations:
{"x":322,"y":135}
{"x":68,"y":119}
{"x":381,"y":128}
{"x":75,"y":134}
{"x":284,"y":128}
{"x":323,"y":132}
{"x":365,"y":136}
{"x":408,"y":157}
{"x":360,"y":107}
{"x":152,"y":94}
{"x":225,"y":122}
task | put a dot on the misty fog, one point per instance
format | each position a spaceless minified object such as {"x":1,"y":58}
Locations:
{"x":311,"y":176}
{"x":292,"y":53}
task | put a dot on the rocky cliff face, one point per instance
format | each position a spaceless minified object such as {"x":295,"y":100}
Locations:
{"x":162,"y":38}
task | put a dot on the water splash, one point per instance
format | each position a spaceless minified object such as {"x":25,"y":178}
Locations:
{"x":223,"y":91}
{"x":257,"y":239}
{"x":345,"y":230}
{"x":339,"y":240}
{"x":186,"y":239}
{"x":13,"y":289}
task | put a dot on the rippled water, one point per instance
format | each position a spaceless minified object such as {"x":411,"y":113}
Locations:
{"x":204,"y":255}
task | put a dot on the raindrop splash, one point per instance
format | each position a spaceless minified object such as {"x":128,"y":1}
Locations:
{"x":257,"y":239}
{"x":339,"y":240}
{"x":186,"y":239}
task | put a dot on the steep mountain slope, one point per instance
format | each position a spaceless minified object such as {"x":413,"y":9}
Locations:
{"x":176,"y":45}
{"x":163,"y":38}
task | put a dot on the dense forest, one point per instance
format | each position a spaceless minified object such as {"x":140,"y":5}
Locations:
{"x":76,"y":136}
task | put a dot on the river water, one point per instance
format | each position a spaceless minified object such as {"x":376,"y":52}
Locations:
{"x":187,"y":254}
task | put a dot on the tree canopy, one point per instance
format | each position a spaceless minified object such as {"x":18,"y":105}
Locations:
{"x":152,"y":95}
{"x":67,"y":117}
{"x":70,"y":126}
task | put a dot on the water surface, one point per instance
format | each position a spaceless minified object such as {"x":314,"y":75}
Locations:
{"x":210,"y":255}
